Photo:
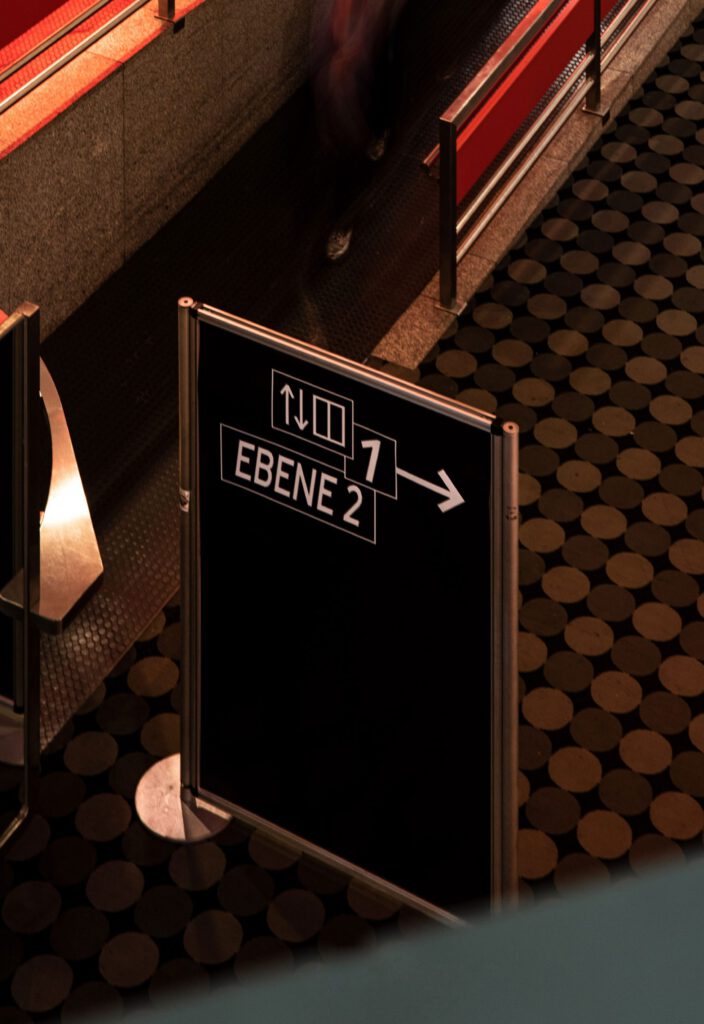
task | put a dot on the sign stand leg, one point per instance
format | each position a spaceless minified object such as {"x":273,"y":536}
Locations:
{"x":165,"y":799}
{"x":170,"y":811}
{"x":11,"y":738}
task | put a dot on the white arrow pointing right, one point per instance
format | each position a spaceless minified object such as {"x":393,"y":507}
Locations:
{"x":452,"y":497}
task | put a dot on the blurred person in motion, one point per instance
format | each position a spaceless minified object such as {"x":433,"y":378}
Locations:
{"x":356,"y":82}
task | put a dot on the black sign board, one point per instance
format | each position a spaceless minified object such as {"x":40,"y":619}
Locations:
{"x":19,"y":562}
{"x":350,"y":561}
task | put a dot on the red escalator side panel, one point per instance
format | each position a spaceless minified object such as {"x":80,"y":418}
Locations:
{"x":521,"y":89}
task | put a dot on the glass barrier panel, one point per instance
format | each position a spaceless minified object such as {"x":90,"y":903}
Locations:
{"x":11,"y":723}
{"x":19,"y":563}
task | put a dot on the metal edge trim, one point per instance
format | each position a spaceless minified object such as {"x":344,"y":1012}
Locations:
{"x":18,"y":822}
{"x":504,"y":706}
{"x":618,"y":33}
{"x":9,"y":325}
{"x":187,"y":387}
{"x":332,"y":860}
{"x":195,"y":700}
{"x":328,"y":360}
{"x":497,"y":66}
{"x":32,"y":544}
{"x":447,"y":219}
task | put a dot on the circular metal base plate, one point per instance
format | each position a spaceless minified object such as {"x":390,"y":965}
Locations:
{"x":163,"y":810}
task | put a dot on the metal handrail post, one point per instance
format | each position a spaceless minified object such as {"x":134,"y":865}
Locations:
{"x":31,"y":421}
{"x":167,"y":10}
{"x":187,"y":356}
{"x":20,"y":520}
{"x":448,"y":213}
{"x":166,"y":798}
{"x":593,"y":102}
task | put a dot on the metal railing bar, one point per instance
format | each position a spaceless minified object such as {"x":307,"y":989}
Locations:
{"x":448,"y":213}
{"x":613,"y":38}
{"x":494,"y":70}
{"x":534,"y":130}
{"x":594,"y":47}
{"x":71,"y":54}
{"x":524,"y":143}
{"x":525,"y":153}
{"x":53,"y":38}
{"x":502,"y":60}
{"x":521,"y":171}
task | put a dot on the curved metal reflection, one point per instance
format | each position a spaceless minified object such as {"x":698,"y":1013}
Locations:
{"x":69,"y":554}
{"x":70,"y":560}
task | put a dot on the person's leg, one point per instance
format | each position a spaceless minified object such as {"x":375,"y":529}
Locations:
{"x":357,"y":95}
{"x":389,"y":80}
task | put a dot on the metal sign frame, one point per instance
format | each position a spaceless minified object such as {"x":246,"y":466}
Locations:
{"x":21,"y":331}
{"x":504,"y":528}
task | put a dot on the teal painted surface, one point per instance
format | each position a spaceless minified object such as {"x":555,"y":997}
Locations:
{"x":632,"y":952}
